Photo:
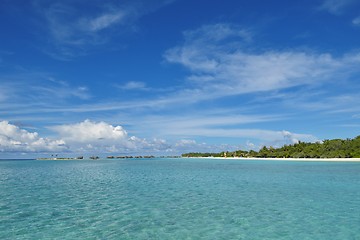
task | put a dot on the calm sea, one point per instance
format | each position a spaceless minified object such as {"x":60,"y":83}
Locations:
{"x":179,"y":199}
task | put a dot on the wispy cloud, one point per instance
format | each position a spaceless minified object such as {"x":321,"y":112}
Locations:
{"x":220,"y":65}
{"x":27,"y":91}
{"x":133,"y":85}
{"x":70,"y":27}
{"x":189,"y":122}
{"x":61,"y":92}
{"x":285,"y":137}
{"x":336,"y":6}
{"x":346,"y":103}
{"x":73,"y":30}
{"x":217,"y":126}
{"x":104,"y":21}
{"x":356,"y":21}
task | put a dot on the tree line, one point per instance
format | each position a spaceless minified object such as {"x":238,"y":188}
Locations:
{"x":335,"y":148}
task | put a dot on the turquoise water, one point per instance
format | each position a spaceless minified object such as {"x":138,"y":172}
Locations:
{"x":179,"y":199}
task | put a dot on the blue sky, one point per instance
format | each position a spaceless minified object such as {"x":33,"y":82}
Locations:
{"x":171,"y":76}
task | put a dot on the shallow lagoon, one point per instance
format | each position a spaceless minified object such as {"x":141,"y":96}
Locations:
{"x":179,"y":199}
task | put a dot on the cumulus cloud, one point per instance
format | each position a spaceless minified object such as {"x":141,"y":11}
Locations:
{"x":220,"y":64}
{"x":88,"y":131}
{"x":102,"y":137}
{"x":14,"y":139}
{"x":290,"y":137}
{"x":282,"y":138}
{"x":86,"y":137}
{"x":90,"y":137}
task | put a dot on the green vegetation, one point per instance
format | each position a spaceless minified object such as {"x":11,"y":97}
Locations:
{"x":336,"y":148}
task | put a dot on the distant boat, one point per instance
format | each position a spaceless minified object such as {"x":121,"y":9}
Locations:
{"x":94,"y":157}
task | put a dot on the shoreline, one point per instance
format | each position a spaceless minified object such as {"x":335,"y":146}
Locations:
{"x":286,"y":159}
{"x":239,"y":158}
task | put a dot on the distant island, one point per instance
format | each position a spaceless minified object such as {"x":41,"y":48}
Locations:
{"x":99,"y":158}
{"x":335,"y":148}
{"x":90,"y":158}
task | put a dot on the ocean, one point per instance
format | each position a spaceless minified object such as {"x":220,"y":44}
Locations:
{"x":179,"y":199}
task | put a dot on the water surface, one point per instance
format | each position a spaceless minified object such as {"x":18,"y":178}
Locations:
{"x":179,"y":199}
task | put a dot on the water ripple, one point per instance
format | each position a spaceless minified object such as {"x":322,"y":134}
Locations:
{"x":179,"y":199}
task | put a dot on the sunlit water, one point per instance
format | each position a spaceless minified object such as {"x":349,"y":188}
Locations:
{"x":179,"y":199}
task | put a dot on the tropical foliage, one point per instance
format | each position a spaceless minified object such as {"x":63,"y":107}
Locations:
{"x":336,"y":148}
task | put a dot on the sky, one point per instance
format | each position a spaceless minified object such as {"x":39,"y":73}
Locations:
{"x":165,"y":77}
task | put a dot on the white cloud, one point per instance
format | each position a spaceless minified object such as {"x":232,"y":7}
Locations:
{"x":101,"y":137}
{"x":104,"y":21}
{"x":69,"y":26}
{"x":293,"y":138}
{"x":154,"y":145}
{"x":86,"y":137}
{"x":73,"y":32}
{"x":336,"y":6}
{"x":133,"y":85}
{"x":356,"y":21}
{"x":185,"y":142}
{"x":14,"y":139}
{"x":56,"y":92}
{"x":217,"y":33}
{"x":219,"y":124}
{"x":76,"y":27}
{"x":189,"y":145}
{"x":42,"y":91}
{"x":259,"y":134}
{"x":4,"y":94}
{"x":88,"y":131}
{"x":89,"y":137}
{"x":221,"y":65}
{"x":250,"y":145}
{"x":206,"y":121}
